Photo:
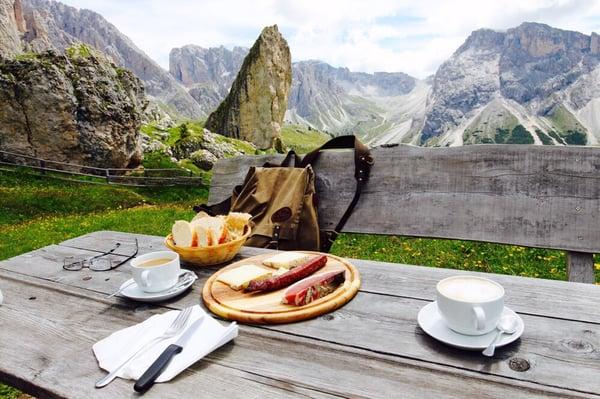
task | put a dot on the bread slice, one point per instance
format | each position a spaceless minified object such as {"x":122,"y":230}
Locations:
{"x":287,"y":260}
{"x":236,"y":222}
{"x":199,"y":216}
{"x":239,"y":277}
{"x":183,"y":234}
{"x":211,"y":231}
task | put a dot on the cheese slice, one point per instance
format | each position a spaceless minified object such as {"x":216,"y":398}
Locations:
{"x":239,"y":277}
{"x":287,"y":260}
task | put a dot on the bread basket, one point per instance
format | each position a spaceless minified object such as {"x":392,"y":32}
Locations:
{"x":208,"y":256}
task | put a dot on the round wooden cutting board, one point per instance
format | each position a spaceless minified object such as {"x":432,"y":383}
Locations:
{"x":266,"y":308}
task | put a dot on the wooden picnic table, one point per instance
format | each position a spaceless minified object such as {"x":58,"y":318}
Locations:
{"x":372,"y":347}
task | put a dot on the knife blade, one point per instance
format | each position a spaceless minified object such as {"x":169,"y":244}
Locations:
{"x":155,"y":370}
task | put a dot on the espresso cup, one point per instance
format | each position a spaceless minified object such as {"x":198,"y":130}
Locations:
{"x":156,"y":271}
{"x":470,"y":305}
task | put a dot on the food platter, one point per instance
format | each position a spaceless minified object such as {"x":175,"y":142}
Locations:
{"x":267,"y":308}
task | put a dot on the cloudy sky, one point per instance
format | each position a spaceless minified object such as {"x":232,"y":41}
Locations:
{"x":363,"y":35}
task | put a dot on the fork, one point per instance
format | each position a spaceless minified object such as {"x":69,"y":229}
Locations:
{"x":175,"y":328}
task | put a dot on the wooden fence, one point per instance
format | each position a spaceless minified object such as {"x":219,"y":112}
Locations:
{"x":139,"y":177}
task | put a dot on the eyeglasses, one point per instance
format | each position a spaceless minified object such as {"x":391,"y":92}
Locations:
{"x":99,"y":263}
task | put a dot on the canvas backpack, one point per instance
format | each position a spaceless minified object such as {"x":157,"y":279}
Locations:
{"x":283,"y":201}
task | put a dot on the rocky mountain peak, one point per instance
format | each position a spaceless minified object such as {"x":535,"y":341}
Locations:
{"x":529,"y":73}
{"x":482,"y":39}
{"x":255,"y":106}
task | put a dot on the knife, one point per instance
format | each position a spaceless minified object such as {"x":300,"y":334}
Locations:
{"x":155,"y":370}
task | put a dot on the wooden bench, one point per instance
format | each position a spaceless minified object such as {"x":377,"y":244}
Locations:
{"x":534,"y":196}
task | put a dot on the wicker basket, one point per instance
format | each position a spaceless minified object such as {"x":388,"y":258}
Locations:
{"x":208,"y":256}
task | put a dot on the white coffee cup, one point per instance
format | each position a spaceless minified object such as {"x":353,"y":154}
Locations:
{"x":470,"y":305}
{"x":156,"y":277}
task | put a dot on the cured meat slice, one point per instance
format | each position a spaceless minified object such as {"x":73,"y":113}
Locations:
{"x":314,"y":287}
{"x":289,"y":277}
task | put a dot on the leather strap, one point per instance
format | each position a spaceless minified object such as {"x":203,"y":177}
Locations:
{"x":362,"y":168}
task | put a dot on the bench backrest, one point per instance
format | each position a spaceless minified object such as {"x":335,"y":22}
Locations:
{"x":536,"y":196}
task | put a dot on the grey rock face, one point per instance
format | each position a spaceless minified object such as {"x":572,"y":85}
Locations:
{"x":53,"y":25}
{"x":207,"y":73}
{"x":78,"y":108}
{"x":216,"y":66}
{"x":532,"y":69}
{"x":11,"y":28}
{"x":254,"y":108}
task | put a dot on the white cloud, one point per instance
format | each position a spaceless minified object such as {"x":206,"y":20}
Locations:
{"x":409,"y":36}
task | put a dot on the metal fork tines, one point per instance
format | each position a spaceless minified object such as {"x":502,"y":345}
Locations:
{"x":174,"y":329}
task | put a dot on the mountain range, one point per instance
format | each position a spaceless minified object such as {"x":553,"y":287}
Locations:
{"x":529,"y":84}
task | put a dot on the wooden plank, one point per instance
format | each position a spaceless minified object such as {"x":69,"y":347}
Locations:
{"x":260,"y":363}
{"x":51,"y":334}
{"x":549,"y":345}
{"x":560,"y":299}
{"x":537,"y":196}
{"x":580,"y":267}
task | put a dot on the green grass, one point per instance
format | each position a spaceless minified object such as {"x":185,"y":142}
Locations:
{"x":455,"y":254}
{"x":36,"y":211}
{"x":568,"y":127}
{"x":175,"y":133}
{"x":302,"y":140}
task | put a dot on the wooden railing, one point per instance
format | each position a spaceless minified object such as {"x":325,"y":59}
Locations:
{"x":11,"y":161}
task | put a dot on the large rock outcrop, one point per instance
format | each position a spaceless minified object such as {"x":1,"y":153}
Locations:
{"x":77,"y":107}
{"x":51,"y":25}
{"x":255,"y":106}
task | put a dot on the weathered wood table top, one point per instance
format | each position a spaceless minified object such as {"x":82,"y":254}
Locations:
{"x":372,"y":347}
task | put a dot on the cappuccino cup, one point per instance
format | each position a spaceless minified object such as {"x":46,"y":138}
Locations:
{"x":156,"y":271}
{"x":470,"y":305}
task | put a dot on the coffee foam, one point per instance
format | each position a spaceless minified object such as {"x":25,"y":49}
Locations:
{"x":470,"y":289}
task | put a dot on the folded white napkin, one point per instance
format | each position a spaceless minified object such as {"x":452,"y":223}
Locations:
{"x":118,"y":346}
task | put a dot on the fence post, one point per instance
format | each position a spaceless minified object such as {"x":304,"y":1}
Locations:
{"x":107,"y":174}
{"x":43,"y":166}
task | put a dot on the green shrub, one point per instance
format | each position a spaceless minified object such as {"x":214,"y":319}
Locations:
{"x":546,"y":140}
{"x":501,"y":135}
{"x":520,"y":135}
{"x":158,"y":160}
{"x":575,"y":137}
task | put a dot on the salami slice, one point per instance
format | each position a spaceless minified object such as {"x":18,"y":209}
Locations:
{"x":289,"y":277}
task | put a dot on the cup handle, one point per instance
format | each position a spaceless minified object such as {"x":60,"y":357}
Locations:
{"x":479,"y":317}
{"x":144,"y":277}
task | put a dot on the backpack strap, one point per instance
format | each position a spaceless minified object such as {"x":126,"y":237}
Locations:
{"x":362,"y":168}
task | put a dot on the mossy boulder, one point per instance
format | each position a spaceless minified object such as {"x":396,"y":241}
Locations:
{"x":203,"y":159}
{"x":76,"y":107}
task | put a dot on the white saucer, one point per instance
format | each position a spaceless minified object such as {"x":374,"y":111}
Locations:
{"x":431,"y":322}
{"x":134,"y":292}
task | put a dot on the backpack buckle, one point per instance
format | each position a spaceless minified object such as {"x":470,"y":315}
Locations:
{"x":275,"y":239}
